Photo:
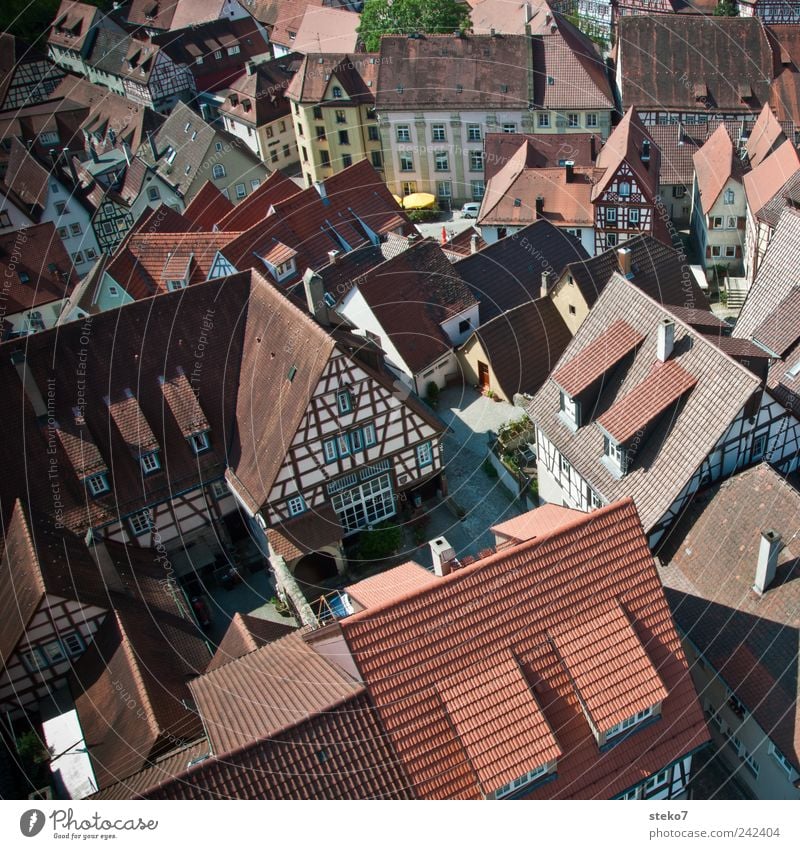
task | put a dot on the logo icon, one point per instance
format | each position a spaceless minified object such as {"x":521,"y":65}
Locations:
{"x":31,"y":822}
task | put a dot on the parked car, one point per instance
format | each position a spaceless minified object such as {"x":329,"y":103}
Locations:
{"x":470,"y":210}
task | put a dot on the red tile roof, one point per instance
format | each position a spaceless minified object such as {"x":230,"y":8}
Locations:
{"x":542,"y":151}
{"x":596,"y":359}
{"x":324,"y":30}
{"x":536,"y":523}
{"x":380,"y":588}
{"x":663,"y":386}
{"x":781,"y":328}
{"x":416,"y":652}
{"x":765,"y":181}
{"x":624,"y":145}
{"x":132,"y":424}
{"x":208,"y":207}
{"x":245,"y":634}
{"x":765,"y":137}
{"x":714,"y":164}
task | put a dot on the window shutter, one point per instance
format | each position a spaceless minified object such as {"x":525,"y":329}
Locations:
{"x":741,"y":223}
{"x":738,"y":251}
{"x":708,"y":252}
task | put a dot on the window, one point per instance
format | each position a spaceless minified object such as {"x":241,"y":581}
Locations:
{"x":424,"y":454}
{"x":320,"y":133}
{"x":219,"y":490}
{"x":287,"y":152}
{"x":199,"y":442}
{"x":73,"y":643}
{"x":343,"y":445}
{"x":347,"y":160}
{"x":716,"y":221}
{"x":441,"y":161}
{"x":91,"y":253}
{"x":34,"y":660}
{"x":611,"y":215}
{"x":615,"y":453}
{"x":628,"y":723}
{"x":372,"y":133}
{"x":477,"y":188}
{"x":300,"y":130}
{"x":337,"y":92}
{"x":781,"y":759}
{"x":5,"y":220}
{"x":140,"y":522}
{"x":61,"y":207}
{"x":369,"y":435}
{"x":624,"y":189}
{"x":241,"y":190}
{"x":633,"y":216}
{"x":113,"y":291}
{"x":520,"y":782}
{"x":218,"y":171}
{"x":324,"y":158}
{"x":254,"y":184}
{"x":572,"y":119}
{"x":297,"y":505}
{"x":377,"y":159}
{"x":77,"y":257}
{"x":476,"y":160}
{"x":317,"y":112}
{"x":611,"y":240}
{"x":544,"y":119}
{"x":594,"y":499}
{"x":98,"y":484}
{"x":716,"y":250}
{"x":344,"y":137}
{"x":657,"y":780}
{"x":565,"y":467}
{"x":53,"y":652}
{"x":464,"y":326}
{"x":438,"y":133}
{"x":356,"y":441}
{"x":509,"y":128}
{"x":62,"y":231}
{"x":344,"y":401}
{"x":366,"y":504}
{"x":591,"y":119}
{"x":150,"y":463}
{"x":474,"y":132}
{"x":329,"y":447}
{"x":730,"y":197}
{"x":406,"y":162}
{"x":444,"y":189}
{"x":569,"y":407}
{"x":153,"y":193}
{"x":341,"y":117}
{"x":217,"y":54}
{"x":730,"y":251}
{"x":403,"y":132}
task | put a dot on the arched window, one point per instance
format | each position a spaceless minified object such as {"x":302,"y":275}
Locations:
{"x":218,"y":171}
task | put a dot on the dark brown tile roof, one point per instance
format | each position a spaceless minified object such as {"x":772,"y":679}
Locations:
{"x":268,"y":691}
{"x":772,"y":284}
{"x":461,"y":244}
{"x":131,"y":688}
{"x":710,"y":564}
{"x":26,"y":177}
{"x":342,"y":753}
{"x":509,"y":272}
{"x":523,"y":345}
{"x":669,"y":455}
{"x":411,"y":295}
{"x":259,"y":98}
{"x":785,"y":43}
{"x":779,"y":331}
{"x":256,"y":206}
{"x":154,"y":14}
{"x":658,"y":270}
{"x":665,"y":384}
{"x":18,"y":61}
{"x":624,"y":145}
{"x":182,"y":403}
{"x":579,"y":372}
{"x":245,"y":634}
{"x":305,"y":533}
{"x":690,"y":64}
{"x":454,"y":72}
{"x":72,"y":25}
{"x":418,"y":651}
{"x":356,"y":72}
{"x":40,"y":254}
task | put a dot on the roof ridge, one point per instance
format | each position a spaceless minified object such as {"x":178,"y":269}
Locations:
{"x":620,"y":505}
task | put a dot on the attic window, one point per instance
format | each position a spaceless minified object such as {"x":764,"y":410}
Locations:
{"x":171,"y":154}
{"x":524,"y":780}
{"x":551,"y":81}
{"x":615,"y":455}
{"x":570,"y":410}
{"x":97,"y":484}
{"x":24,"y":277}
{"x":517,"y":201}
{"x":459,"y":88}
{"x":150,"y":462}
{"x":503,"y":89}
{"x":199,"y":442}
{"x":292,"y":372}
{"x":400,"y":89}
{"x":628,"y":722}
{"x":187,"y":126}
{"x":337,"y":92}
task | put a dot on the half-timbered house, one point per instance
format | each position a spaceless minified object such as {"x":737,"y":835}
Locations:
{"x":644,"y":404}
{"x":625,"y":197}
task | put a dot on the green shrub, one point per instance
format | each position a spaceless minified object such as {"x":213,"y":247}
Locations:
{"x":432,"y":393}
{"x":380,"y":542}
{"x":421,"y":216}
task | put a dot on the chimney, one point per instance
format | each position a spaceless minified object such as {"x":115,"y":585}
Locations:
{"x":153,"y":146}
{"x":666,"y":339}
{"x":569,"y":170}
{"x":592,"y":148}
{"x":645,"y":151}
{"x":473,"y":243}
{"x":29,"y":384}
{"x":321,"y":190}
{"x":442,"y":553}
{"x":768,"y":552}
{"x":412,"y":237}
{"x":527,"y":12}
{"x":70,"y":164}
{"x":315,"y":296}
{"x":99,"y":551}
{"x":547,"y":278}
{"x":539,"y":206}
{"x":333,"y":257}
{"x":625,"y":262}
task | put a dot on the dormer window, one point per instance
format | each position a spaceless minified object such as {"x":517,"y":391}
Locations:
{"x":570,"y":410}
{"x":150,"y":462}
{"x":522,"y":781}
{"x":199,"y":442}
{"x":615,"y":456}
{"x":97,"y":484}
{"x":174,"y":285}
{"x":628,"y":723}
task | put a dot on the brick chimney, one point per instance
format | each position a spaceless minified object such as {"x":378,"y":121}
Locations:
{"x":666,"y":339}
{"x":473,"y":243}
{"x":333,"y":257}
{"x":768,"y":551}
{"x":539,"y":206}
{"x":569,"y":170}
{"x":625,"y":261}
